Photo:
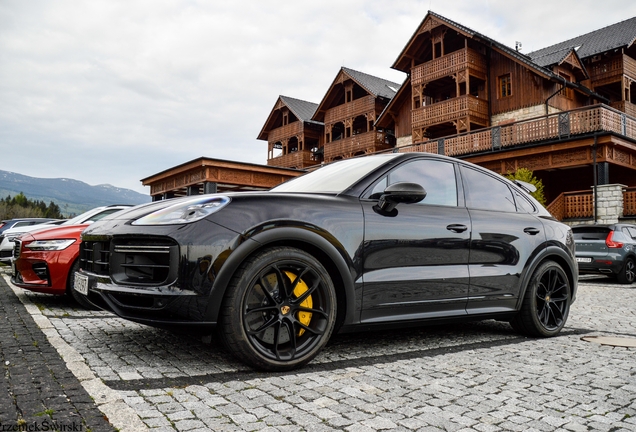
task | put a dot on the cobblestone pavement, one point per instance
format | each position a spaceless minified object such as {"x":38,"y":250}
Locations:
{"x":475,"y":376}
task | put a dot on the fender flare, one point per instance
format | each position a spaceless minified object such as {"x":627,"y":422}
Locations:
{"x":563,"y":258}
{"x":295,"y":236}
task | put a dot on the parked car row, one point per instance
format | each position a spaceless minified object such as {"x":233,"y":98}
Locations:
{"x":44,"y":257}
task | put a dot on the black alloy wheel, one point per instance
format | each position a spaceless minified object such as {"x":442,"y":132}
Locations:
{"x":627,"y":275}
{"x":280,"y":310}
{"x":546,"y":303}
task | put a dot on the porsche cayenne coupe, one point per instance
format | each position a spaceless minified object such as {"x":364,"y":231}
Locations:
{"x":377,"y":241}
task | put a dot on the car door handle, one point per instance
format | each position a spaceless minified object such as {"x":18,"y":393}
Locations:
{"x":531,"y":231}
{"x":457,"y":228}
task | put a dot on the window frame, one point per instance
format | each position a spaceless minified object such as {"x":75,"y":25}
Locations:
{"x":504,"y":82}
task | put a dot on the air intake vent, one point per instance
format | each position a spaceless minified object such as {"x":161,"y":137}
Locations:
{"x":144,"y":261}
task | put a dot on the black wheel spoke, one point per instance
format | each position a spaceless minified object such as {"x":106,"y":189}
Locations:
{"x":261,"y":309}
{"x":284,"y":285}
{"x":276,"y":339}
{"x":267,"y":289}
{"x":307,"y":293}
{"x":267,"y":324}
{"x":309,"y":329}
{"x":313,"y":311}
{"x":292,"y":337}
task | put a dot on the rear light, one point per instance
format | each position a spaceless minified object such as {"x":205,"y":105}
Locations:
{"x":2,"y":224}
{"x":611,"y":243}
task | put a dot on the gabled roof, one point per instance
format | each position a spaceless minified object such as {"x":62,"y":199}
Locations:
{"x":431,"y":16}
{"x":377,"y":87}
{"x":615,"y":36}
{"x":303,"y":110}
{"x":374,"y":85}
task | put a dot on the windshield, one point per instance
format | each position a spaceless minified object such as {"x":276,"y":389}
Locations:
{"x":335,"y":177}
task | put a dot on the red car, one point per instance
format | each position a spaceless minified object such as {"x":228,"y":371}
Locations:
{"x":46,"y":261}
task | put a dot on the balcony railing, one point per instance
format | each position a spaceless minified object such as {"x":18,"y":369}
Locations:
{"x":580,"y":204}
{"x":447,"y":65}
{"x":595,"y":118}
{"x":285,"y":132}
{"x":299,"y":159}
{"x":350,"y":109}
{"x":627,"y":107}
{"x":572,"y":205}
{"x":449,"y":110}
{"x":367,"y":142}
{"x":629,"y":202}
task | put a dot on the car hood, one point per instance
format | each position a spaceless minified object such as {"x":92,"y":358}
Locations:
{"x":61,"y":232}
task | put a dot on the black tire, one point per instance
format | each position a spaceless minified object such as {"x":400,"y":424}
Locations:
{"x":546,"y":303}
{"x":627,"y":275}
{"x":79,"y":298}
{"x":279,"y":310}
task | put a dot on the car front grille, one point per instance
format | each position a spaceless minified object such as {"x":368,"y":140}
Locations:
{"x":132,"y":261}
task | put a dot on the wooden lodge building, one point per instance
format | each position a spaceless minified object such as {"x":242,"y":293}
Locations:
{"x":567,"y":112}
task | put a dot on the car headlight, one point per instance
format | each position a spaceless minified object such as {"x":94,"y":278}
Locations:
{"x":50,"y":245}
{"x":13,"y":236}
{"x":185,"y":212}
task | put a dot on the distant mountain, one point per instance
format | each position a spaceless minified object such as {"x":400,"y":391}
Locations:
{"x":73,"y":196}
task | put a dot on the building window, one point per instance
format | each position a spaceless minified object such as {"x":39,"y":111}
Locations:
{"x":505,"y":86}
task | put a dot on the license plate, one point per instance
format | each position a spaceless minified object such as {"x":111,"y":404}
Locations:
{"x":81,"y":283}
{"x":585,"y":260}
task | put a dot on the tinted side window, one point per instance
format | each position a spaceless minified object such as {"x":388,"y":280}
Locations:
{"x":436,"y":177}
{"x":523,"y":204}
{"x":485,"y":192}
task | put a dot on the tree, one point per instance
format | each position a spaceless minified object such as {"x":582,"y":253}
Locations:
{"x":524,"y":174}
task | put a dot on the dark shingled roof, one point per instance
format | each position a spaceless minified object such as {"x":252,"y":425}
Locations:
{"x":302,"y":109}
{"x":617,"y":35}
{"x":374,"y":85}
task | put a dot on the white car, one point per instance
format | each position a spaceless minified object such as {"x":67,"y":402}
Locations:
{"x":8,"y":237}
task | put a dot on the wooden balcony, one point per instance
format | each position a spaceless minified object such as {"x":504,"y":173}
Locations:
{"x":285,"y":132}
{"x":609,"y":71}
{"x":572,"y":205}
{"x":350,"y":109}
{"x":450,"y":110}
{"x":298,"y":160}
{"x":580,"y":204}
{"x":595,"y":118}
{"x":448,"y":65}
{"x":368,"y":142}
{"x":626,"y":107}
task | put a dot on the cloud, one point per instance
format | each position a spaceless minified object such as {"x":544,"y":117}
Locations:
{"x":115,"y":91}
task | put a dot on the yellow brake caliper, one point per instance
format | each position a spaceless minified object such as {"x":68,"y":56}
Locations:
{"x":301,"y":288}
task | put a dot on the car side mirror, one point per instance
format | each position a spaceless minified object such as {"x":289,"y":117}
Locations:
{"x":400,"y":193}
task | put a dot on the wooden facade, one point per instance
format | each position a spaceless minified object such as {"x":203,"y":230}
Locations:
{"x":341,"y":126}
{"x":567,"y":112}
{"x":558,"y":111}
{"x":293,"y":138}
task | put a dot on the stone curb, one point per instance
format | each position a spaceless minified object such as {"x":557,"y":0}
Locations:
{"x":108,"y":401}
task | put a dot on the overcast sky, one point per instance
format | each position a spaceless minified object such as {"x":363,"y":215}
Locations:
{"x":115,"y":91}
